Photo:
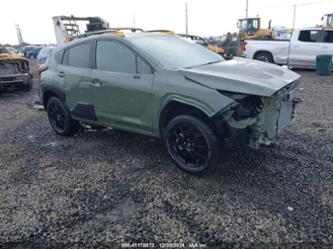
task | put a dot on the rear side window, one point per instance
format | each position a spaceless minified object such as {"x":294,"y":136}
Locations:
{"x":79,"y":55}
{"x":308,"y":35}
{"x":328,"y":36}
{"x":115,"y":57}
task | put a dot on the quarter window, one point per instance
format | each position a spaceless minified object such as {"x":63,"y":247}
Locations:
{"x":143,"y":67}
{"x":79,"y":55}
{"x":308,"y":35}
{"x":58,"y":56}
{"x":115,"y":57}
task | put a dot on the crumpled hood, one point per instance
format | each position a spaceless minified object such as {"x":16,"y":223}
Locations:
{"x":242,"y":76}
{"x":11,"y":57}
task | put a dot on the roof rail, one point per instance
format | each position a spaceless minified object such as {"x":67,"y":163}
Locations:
{"x":192,"y":37}
{"x":116,"y":31}
{"x":100,"y":32}
{"x":132,"y":29}
{"x":164,"y":31}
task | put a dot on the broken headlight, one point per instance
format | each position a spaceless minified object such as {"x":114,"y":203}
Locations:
{"x":245,"y":106}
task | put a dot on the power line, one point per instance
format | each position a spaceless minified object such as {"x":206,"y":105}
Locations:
{"x":300,"y":4}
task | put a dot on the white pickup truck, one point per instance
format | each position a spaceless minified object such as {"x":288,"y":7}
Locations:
{"x":300,"y":51}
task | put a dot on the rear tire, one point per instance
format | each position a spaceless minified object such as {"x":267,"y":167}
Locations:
{"x":191,"y":144}
{"x":264,"y":56}
{"x":60,"y":118}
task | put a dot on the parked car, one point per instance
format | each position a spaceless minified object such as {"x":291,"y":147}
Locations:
{"x":14,"y":71}
{"x":33,"y":53}
{"x":300,"y":51}
{"x":163,"y":86}
{"x":12,"y":50}
{"x":43,"y":54}
{"x":27,"y":49}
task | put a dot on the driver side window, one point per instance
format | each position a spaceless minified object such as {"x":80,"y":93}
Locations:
{"x":113,"y":56}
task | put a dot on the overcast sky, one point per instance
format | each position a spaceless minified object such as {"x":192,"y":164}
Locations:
{"x":206,"y":17}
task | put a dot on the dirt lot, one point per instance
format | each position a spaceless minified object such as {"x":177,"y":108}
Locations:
{"x":102,"y":188}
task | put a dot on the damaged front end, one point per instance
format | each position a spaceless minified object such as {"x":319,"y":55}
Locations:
{"x":257,"y":120}
{"x":14,"y":72}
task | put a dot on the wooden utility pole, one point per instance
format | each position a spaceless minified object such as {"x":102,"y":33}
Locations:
{"x":294,"y":17}
{"x":19,"y":34}
{"x":186,"y":19}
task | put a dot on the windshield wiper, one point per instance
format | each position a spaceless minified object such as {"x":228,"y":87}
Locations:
{"x":207,"y":63}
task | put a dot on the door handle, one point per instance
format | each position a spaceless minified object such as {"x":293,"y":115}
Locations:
{"x":96,"y":82}
{"x":61,"y":74}
{"x":136,"y":77}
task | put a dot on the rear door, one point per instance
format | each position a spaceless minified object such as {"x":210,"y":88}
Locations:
{"x":122,"y":85}
{"x":74,"y":75}
{"x":304,"y":49}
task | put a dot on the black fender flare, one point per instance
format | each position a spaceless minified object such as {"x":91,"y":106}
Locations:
{"x":52,"y":89}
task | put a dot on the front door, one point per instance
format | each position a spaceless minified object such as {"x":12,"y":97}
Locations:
{"x":303,"y":51}
{"x":121,"y":87}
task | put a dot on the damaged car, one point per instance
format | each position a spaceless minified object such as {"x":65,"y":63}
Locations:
{"x":14,"y":71}
{"x":162,"y":86}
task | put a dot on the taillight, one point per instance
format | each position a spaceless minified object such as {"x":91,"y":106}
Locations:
{"x":242,"y":48}
{"x":42,"y":68}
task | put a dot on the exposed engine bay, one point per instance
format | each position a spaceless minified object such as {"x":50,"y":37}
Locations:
{"x":261,"y":119}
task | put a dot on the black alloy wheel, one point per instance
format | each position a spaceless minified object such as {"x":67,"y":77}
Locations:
{"x":191,"y":144}
{"x":60,"y":118}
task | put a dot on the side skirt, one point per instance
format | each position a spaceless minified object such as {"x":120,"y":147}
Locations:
{"x":84,"y":111}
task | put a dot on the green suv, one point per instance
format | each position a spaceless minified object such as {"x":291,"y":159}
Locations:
{"x":163,"y":86}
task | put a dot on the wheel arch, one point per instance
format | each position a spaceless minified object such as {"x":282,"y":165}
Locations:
{"x":177,"y":107}
{"x":263,"y":51}
{"x":51,"y":91}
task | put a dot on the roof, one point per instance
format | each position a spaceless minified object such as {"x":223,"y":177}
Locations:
{"x":119,"y":35}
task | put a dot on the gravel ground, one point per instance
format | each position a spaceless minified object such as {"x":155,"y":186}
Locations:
{"x":104,"y":188}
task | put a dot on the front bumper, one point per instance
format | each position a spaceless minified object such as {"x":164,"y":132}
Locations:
{"x":268,"y":117}
{"x":276,"y":114}
{"x":15,"y":80}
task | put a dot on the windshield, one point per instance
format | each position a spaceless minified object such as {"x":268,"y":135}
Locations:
{"x":330,"y":20}
{"x":174,"y":52}
{"x":249,"y":25}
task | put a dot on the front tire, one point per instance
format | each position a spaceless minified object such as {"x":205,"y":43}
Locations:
{"x":60,"y":118}
{"x":191,"y":143}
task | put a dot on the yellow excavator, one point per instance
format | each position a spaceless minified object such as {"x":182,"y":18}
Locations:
{"x":327,"y":20}
{"x":250,"y":28}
